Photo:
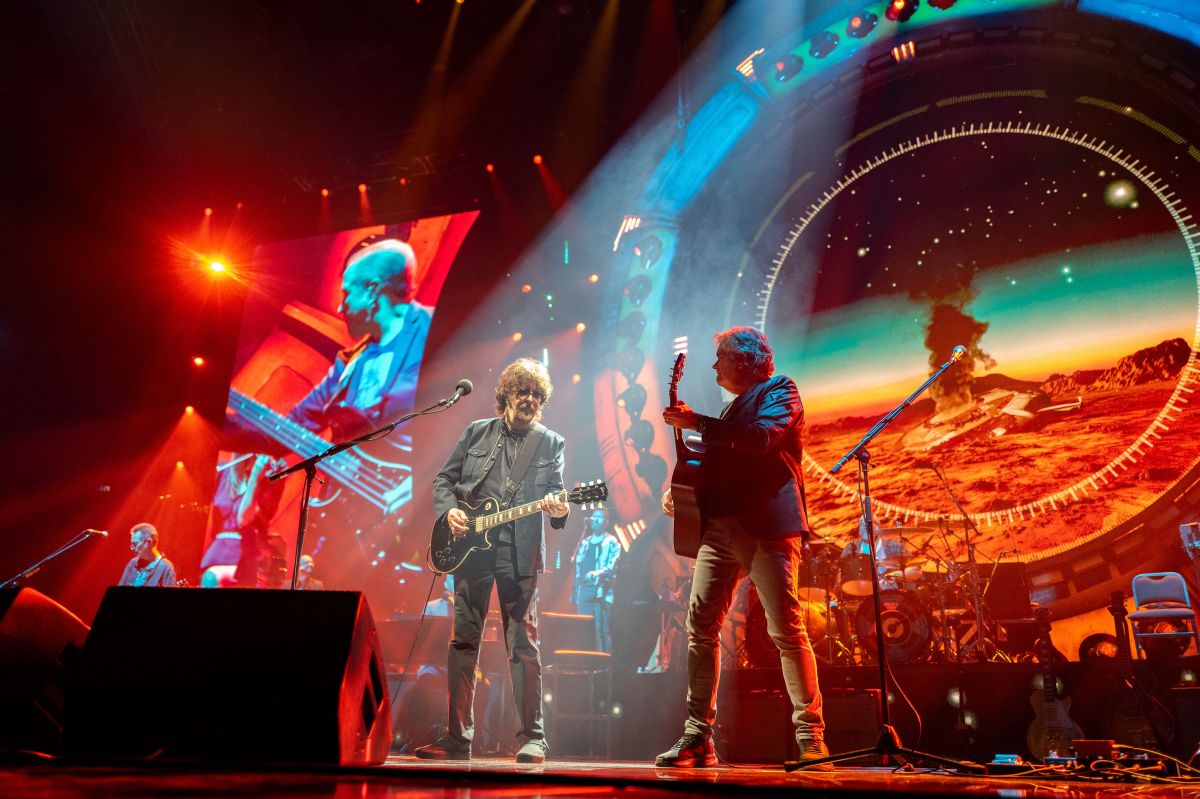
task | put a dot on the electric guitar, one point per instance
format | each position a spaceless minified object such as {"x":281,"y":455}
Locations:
{"x":1052,"y":728}
{"x":448,"y":552}
{"x":686,"y":538}
{"x":1128,"y":723}
{"x":385,"y":485}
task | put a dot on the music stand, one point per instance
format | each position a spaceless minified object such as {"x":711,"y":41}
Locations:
{"x":888,"y":742}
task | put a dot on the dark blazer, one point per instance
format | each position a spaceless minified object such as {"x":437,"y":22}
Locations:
{"x":464,"y":470}
{"x":322,"y":405}
{"x":752,"y":464}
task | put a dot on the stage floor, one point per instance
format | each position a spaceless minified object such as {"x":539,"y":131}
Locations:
{"x":484,"y":778}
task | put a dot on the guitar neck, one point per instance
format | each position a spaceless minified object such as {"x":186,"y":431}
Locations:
{"x":342,"y":467}
{"x":491,"y":520}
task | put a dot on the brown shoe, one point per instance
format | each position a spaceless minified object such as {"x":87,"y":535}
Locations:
{"x":813,"y":749}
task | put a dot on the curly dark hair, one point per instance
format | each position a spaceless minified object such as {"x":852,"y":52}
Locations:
{"x":751,"y":349}
{"x":523,"y":373}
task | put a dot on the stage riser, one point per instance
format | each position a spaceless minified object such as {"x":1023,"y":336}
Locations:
{"x":754,"y":713}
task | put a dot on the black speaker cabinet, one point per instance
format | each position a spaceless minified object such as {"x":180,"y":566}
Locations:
{"x":38,"y":637}
{"x":231,"y":675}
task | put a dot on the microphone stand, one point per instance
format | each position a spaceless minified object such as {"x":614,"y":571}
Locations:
{"x":309,"y":465}
{"x":982,"y":642}
{"x":35,"y":568}
{"x":888,"y":742}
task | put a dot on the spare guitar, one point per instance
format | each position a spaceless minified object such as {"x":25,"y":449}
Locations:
{"x":1052,"y":728}
{"x":1128,"y":722}
{"x":448,"y":552}
{"x":684,"y":478}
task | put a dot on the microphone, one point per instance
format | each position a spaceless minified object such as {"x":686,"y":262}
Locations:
{"x":957,"y":353}
{"x":461,"y":390}
{"x":90,"y":531}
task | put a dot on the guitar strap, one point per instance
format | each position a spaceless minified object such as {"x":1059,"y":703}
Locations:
{"x":533,"y":440}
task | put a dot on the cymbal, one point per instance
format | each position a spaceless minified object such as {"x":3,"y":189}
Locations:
{"x":897,"y":532}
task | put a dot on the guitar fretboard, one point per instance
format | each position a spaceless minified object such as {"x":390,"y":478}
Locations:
{"x":344,"y":467}
{"x":491,"y":520}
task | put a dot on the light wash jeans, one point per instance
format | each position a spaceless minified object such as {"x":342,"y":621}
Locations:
{"x":727,"y":554}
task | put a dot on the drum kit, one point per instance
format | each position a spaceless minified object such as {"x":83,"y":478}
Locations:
{"x":930,"y":604}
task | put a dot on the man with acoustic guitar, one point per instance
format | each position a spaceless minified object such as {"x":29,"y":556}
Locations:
{"x":750,"y":496}
{"x":516,"y":459}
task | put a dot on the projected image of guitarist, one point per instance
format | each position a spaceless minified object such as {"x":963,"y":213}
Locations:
{"x":499,"y":463}
{"x":375,"y":380}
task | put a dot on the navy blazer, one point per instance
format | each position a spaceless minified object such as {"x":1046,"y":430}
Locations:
{"x":752,"y":466}
{"x":464,"y":470}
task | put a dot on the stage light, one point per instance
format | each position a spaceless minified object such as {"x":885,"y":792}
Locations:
{"x":637,"y":290}
{"x":208,"y":212}
{"x":526,"y":288}
{"x":198,"y":360}
{"x":901,"y":10}
{"x":649,"y":248}
{"x":537,"y":159}
{"x":640,"y":435}
{"x":633,"y":399}
{"x":403,"y":181}
{"x":787,"y":66}
{"x":238,"y":207}
{"x":580,"y":327}
{"x":904,"y":52}
{"x":861,"y":24}
{"x":216,"y":267}
{"x":593,"y":278}
{"x":632,"y":326}
{"x":362,"y":188}
{"x":823,"y":44}
{"x":517,"y":336}
{"x":189,"y":410}
{"x":324,"y":192}
{"x":954,"y":697}
{"x":490,"y":167}
{"x":178,"y":464}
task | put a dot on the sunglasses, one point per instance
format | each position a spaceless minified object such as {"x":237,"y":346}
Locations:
{"x":529,"y":392}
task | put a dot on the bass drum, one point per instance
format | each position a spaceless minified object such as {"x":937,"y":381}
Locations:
{"x":906,"y":627}
{"x":828,"y":629}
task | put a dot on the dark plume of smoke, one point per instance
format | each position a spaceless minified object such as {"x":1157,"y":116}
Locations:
{"x":951,"y":325}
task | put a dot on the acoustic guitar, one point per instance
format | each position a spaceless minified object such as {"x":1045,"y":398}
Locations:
{"x":684,"y":478}
{"x":448,"y":552}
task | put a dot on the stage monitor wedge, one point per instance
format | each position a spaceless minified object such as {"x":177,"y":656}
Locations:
{"x":231,"y":675}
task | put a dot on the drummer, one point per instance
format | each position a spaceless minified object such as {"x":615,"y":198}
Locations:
{"x":892,"y":555}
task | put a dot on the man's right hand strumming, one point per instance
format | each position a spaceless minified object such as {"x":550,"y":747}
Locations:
{"x":458,"y":520}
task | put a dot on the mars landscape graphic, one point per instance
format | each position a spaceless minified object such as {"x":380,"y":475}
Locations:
{"x":1016,"y":443}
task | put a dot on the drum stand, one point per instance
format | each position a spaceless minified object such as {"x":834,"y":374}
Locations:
{"x":889,"y":742}
{"x":982,"y":646}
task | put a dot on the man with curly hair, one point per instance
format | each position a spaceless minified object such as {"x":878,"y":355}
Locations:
{"x":750,"y":491}
{"x":482,"y":465}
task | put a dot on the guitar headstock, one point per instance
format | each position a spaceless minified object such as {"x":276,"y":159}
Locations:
{"x":590,"y":493}
{"x":676,"y":376}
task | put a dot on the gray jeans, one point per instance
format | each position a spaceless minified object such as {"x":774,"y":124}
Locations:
{"x":727,"y":554}
{"x":518,"y":614}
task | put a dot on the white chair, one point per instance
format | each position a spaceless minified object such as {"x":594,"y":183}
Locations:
{"x":1162,"y":597}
